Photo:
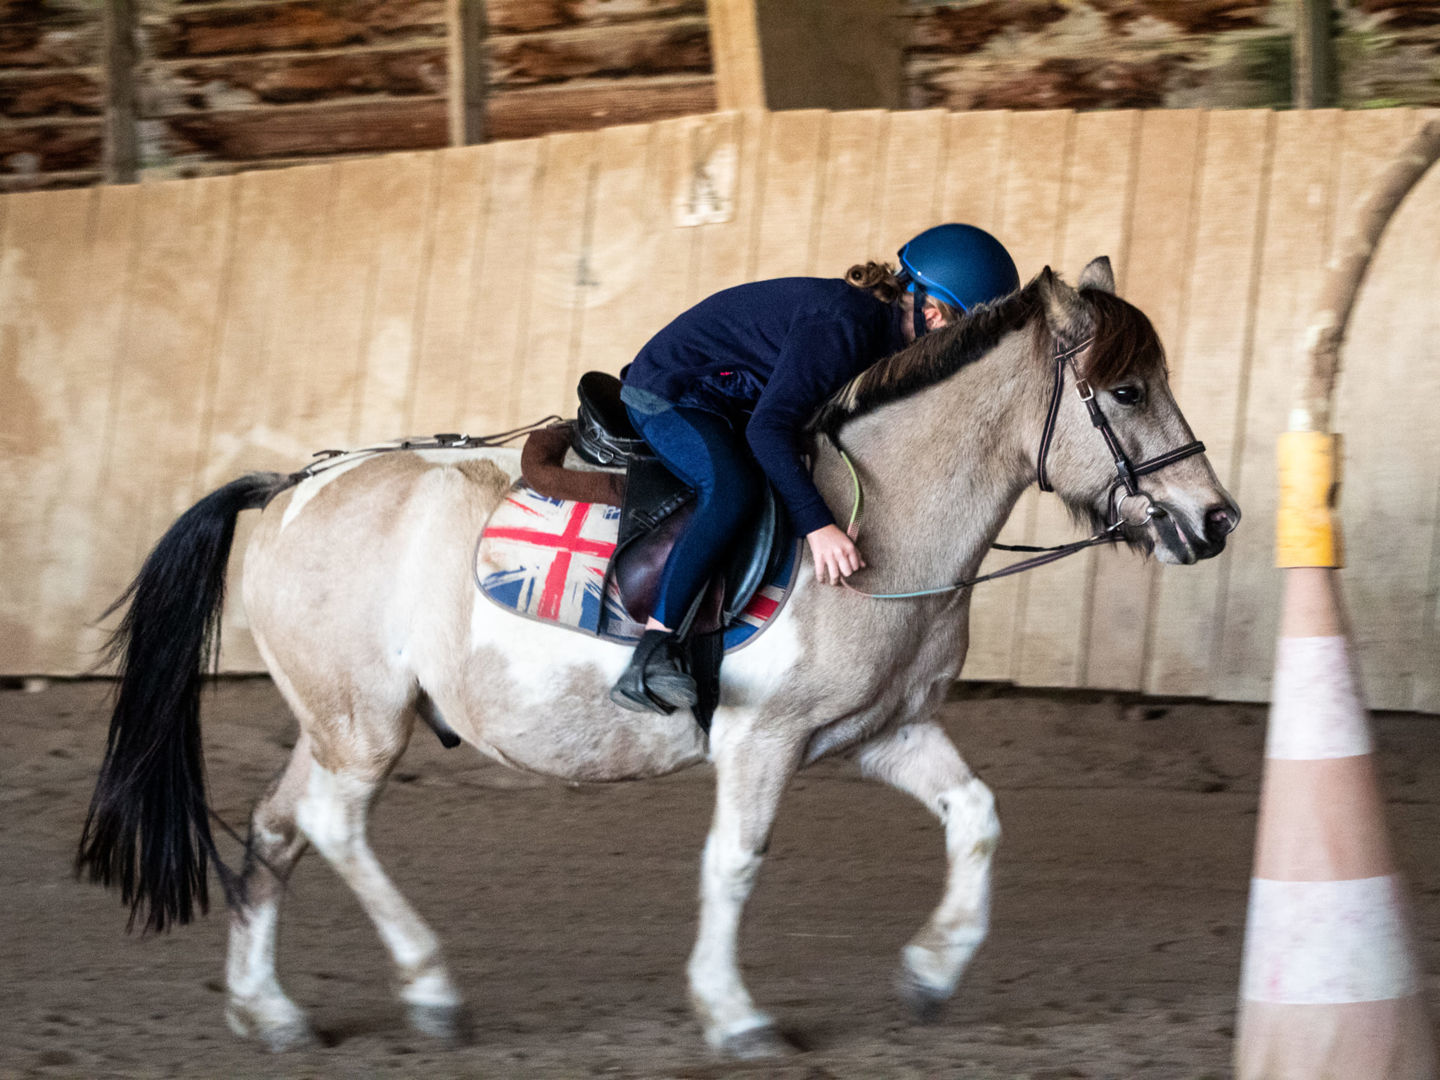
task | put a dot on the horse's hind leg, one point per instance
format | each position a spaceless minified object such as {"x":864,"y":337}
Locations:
{"x":256,"y":1005}
{"x":921,"y":760}
{"x":332,"y":812}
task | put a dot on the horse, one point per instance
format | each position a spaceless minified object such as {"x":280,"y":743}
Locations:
{"x":357,"y":583}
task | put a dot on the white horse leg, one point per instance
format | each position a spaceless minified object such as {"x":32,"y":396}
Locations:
{"x":332,"y":813}
{"x":921,"y":760}
{"x":751,"y":772}
{"x":256,"y":1005}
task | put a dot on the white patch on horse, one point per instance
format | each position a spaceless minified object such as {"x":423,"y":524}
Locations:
{"x":311,"y":486}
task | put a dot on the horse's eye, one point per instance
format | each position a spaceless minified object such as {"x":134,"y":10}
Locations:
{"x":1126,"y":395}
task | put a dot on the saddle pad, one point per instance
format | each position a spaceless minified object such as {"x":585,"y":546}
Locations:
{"x":546,"y":559}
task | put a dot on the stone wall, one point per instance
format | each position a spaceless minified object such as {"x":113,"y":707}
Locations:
{"x":1098,"y":54}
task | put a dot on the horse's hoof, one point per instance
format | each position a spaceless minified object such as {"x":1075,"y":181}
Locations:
{"x":449,"y":1023}
{"x":757,"y":1043}
{"x":926,"y":1002}
{"x":280,"y":1035}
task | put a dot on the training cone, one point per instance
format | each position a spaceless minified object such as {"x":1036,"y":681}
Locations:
{"x":1330,"y":986}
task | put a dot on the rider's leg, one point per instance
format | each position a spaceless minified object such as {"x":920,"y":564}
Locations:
{"x":702,"y":449}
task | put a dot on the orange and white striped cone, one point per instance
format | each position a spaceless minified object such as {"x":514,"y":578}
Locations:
{"x":1330,"y":986}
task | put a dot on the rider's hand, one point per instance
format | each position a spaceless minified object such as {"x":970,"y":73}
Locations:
{"x":835,"y":554}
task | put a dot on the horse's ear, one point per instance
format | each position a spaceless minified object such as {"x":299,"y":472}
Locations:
{"x":1062,"y":303}
{"x":1098,"y":275}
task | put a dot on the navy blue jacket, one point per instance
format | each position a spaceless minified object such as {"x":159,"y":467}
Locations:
{"x":777,"y":349}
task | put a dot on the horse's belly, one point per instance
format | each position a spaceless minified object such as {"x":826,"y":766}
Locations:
{"x":537,"y":697}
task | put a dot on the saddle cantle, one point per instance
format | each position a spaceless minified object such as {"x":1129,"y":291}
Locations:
{"x":595,"y":567}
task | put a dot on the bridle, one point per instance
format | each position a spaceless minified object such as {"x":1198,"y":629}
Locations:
{"x":1127,"y":477}
{"x":1127,"y":472}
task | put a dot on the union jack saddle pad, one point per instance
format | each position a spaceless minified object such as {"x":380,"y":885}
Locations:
{"x":546,"y":559}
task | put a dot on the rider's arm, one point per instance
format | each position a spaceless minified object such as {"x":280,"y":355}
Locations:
{"x":820,"y":354}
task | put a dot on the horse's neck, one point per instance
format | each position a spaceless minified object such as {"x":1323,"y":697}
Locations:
{"x":944,"y":467}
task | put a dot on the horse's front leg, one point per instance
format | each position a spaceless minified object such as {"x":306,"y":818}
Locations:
{"x":920,"y":759}
{"x":751,"y":771}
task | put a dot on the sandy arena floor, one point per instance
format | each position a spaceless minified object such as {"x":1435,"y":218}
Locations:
{"x":567,"y":911}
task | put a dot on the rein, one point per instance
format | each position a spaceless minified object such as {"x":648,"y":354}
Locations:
{"x":1127,"y":476}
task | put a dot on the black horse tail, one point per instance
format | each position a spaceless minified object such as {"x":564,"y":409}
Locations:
{"x":148,"y":827}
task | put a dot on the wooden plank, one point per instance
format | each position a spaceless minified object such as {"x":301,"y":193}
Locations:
{"x":794,"y":148}
{"x":197,"y":86}
{"x":281,"y":388}
{"x":1385,"y":406}
{"x":529,"y":16}
{"x":166,"y":348}
{"x":849,"y":191}
{"x":43,"y":253}
{"x":284,"y":131}
{"x":735,"y":45}
{"x":638,"y":50}
{"x":55,"y":145}
{"x":1036,"y":161}
{"x":726,"y":250}
{"x":447,"y":327}
{"x":1292,"y":266}
{"x":500,"y":312}
{"x":82,"y":357}
{"x":175,"y":31}
{"x":1153,"y":277}
{"x":633,"y":248}
{"x":556,"y":272}
{"x":634,"y":303}
{"x":590,"y":104}
{"x":913,"y":171}
{"x":615,"y":254}
{"x":1208,"y":377}
{"x":972,"y":183}
{"x":390,"y":198}
{"x":1098,"y":184}
{"x":36,"y":95}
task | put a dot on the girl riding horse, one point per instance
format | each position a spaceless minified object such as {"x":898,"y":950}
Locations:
{"x":735,"y":381}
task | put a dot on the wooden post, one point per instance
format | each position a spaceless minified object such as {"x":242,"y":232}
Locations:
{"x":1313,"y":68}
{"x":735,"y":46}
{"x":465,"y":21}
{"x":121,"y":137}
{"x":807,"y":54}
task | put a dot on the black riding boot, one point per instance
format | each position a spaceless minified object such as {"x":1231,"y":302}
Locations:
{"x":656,"y":680}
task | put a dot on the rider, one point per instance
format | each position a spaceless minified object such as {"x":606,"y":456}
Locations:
{"x":734,"y":381}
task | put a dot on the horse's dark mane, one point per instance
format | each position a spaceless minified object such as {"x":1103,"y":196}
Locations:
{"x":932,"y":358}
{"x":1125,"y":344}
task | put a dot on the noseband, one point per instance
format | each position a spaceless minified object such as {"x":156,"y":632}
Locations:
{"x":1127,"y":471}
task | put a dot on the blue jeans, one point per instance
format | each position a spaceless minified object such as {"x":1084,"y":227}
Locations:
{"x":702,"y":449}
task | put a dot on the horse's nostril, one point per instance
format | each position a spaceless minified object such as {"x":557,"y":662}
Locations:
{"x":1220,"y":521}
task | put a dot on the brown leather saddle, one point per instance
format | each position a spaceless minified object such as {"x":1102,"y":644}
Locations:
{"x":656,"y":506}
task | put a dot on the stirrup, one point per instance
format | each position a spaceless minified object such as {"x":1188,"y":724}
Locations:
{"x":641,"y":689}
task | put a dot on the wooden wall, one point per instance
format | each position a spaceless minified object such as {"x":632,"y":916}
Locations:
{"x":156,"y":340}
{"x":52,"y":94}
{"x":1107,"y":54}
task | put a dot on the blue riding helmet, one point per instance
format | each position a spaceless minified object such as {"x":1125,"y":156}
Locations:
{"x":959,"y":264}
